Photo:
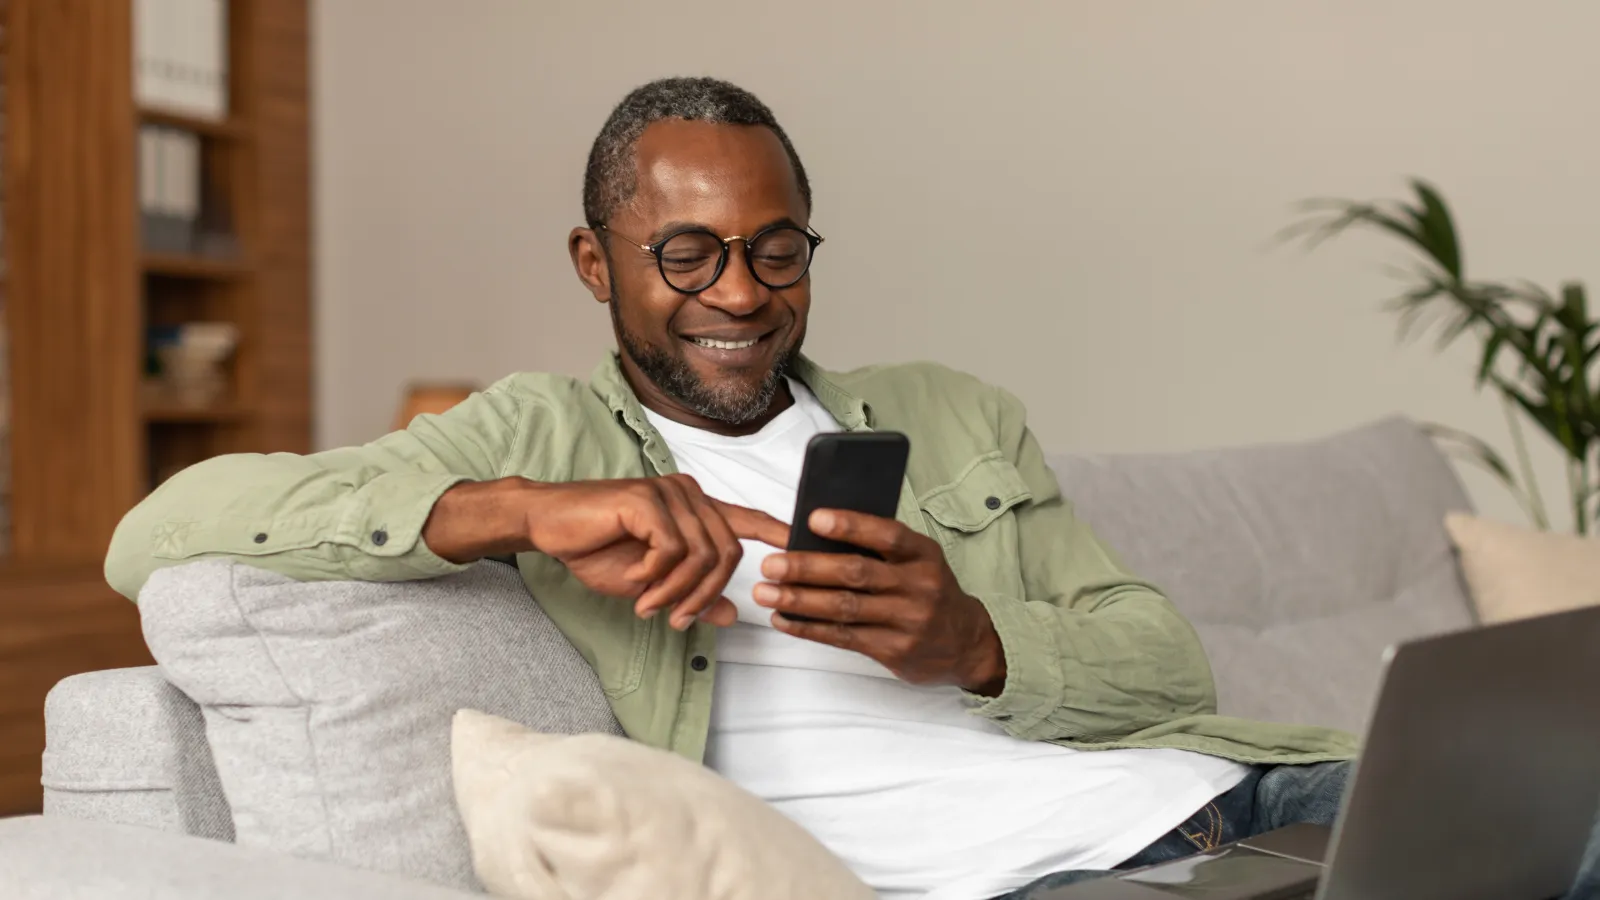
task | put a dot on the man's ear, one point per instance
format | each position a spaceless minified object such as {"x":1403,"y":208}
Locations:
{"x":589,"y":261}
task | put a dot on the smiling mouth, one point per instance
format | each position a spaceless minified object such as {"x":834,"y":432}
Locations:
{"x":723,"y":345}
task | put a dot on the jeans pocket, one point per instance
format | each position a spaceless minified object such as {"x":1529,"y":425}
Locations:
{"x":1204,"y":828}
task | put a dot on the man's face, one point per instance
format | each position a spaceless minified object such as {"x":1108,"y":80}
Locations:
{"x":731,"y":180}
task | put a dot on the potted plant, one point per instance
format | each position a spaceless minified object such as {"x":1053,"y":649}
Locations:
{"x":1539,"y":350}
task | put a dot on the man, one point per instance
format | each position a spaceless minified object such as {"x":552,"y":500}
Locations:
{"x":928,"y":716}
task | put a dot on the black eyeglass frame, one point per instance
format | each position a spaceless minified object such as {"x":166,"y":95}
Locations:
{"x":655,"y":249}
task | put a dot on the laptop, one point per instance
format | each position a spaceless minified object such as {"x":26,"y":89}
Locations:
{"x":1479,"y":780}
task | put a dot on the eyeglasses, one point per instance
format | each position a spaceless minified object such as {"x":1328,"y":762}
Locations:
{"x":692,"y":260}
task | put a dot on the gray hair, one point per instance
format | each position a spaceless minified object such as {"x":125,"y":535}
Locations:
{"x":609,"y":179}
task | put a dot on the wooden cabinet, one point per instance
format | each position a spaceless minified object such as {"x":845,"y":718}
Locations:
{"x":87,"y":439}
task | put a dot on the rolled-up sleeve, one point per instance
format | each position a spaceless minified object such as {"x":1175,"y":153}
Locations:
{"x":354,"y":513}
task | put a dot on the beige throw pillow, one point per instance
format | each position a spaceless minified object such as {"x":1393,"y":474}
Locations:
{"x":597,"y":817}
{"x":1514,"y":573}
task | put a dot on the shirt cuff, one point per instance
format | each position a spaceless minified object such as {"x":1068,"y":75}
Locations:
{"x":1034,"y":682}
{"x":384,"y":522}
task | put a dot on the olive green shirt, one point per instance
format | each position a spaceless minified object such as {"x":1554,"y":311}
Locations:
{"x":1095,"y":658}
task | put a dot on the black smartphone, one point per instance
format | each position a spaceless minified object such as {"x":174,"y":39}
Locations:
{"x":858,"y":470}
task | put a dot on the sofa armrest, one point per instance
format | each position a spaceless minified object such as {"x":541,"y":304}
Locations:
{"x":49,"y":858}
{"x":123,"y":745}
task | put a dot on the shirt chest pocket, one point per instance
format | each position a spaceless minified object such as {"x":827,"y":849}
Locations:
{"x":973,"y":518}
{"x":613,"y":640}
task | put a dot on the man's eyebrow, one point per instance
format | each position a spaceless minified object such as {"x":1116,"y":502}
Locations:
{"x":782,"y":220}
{"x":674,"y":227}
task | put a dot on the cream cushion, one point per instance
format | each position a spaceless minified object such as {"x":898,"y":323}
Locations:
{"x":1514,"y":573}
{"x":598,"y":817}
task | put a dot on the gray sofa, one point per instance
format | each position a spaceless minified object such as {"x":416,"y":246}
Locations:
{"x":1298,"y":564}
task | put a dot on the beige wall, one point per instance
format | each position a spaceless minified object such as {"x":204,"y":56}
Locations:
{"x":1073,"y":199}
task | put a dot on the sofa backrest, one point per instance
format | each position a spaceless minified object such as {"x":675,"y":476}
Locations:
{"x":1297,"y":563}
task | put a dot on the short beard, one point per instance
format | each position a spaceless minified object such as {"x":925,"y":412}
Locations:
{"x":729,"y":404}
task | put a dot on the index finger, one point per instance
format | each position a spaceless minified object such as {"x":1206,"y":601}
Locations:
{"x":890,"y":538}
{"x":754,"y":525}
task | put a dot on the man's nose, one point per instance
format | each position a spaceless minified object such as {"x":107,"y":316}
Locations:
{"x":737,"y":292}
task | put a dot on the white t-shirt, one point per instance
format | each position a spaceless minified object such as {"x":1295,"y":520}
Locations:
{"x":921,"y":798}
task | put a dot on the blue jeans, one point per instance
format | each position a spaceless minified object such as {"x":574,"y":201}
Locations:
{"x":1271,"y":797}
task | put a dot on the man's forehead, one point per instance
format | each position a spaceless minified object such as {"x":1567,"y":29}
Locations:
{"x":699,"y":171}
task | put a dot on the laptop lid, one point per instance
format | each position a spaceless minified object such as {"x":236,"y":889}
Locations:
{"x":1480,"y":776}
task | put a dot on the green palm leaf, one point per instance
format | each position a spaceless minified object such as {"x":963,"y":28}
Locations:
{"x":1555,"y":379}
{"x":1467,"y":448}
{"x":1438,"y":229}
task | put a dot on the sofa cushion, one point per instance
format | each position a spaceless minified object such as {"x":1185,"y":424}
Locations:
{"x":327,"y":704}
{"x":595,"y":817}
{"x":1297,"y":563}
{"x":1516,"y":573}
{"x":54,"y":858}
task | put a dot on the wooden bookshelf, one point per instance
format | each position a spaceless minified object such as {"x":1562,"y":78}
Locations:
{"x":81,"y":292}
{"x":199,"y":267}
{"x":231,"y":128}
{"x":215,"y":414}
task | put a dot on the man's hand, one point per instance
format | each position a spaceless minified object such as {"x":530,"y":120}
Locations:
{"x":906,"y":611}
{"x":660,"y":542}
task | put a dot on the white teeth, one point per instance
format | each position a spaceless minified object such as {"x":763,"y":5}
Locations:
{"x":723,"y":345}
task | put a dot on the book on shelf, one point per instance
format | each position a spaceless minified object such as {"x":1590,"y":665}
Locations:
{"x":180,"y":55}
{"x":169,"y":188}
{"x":185,"y":364}
{"x":177,"y":214}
